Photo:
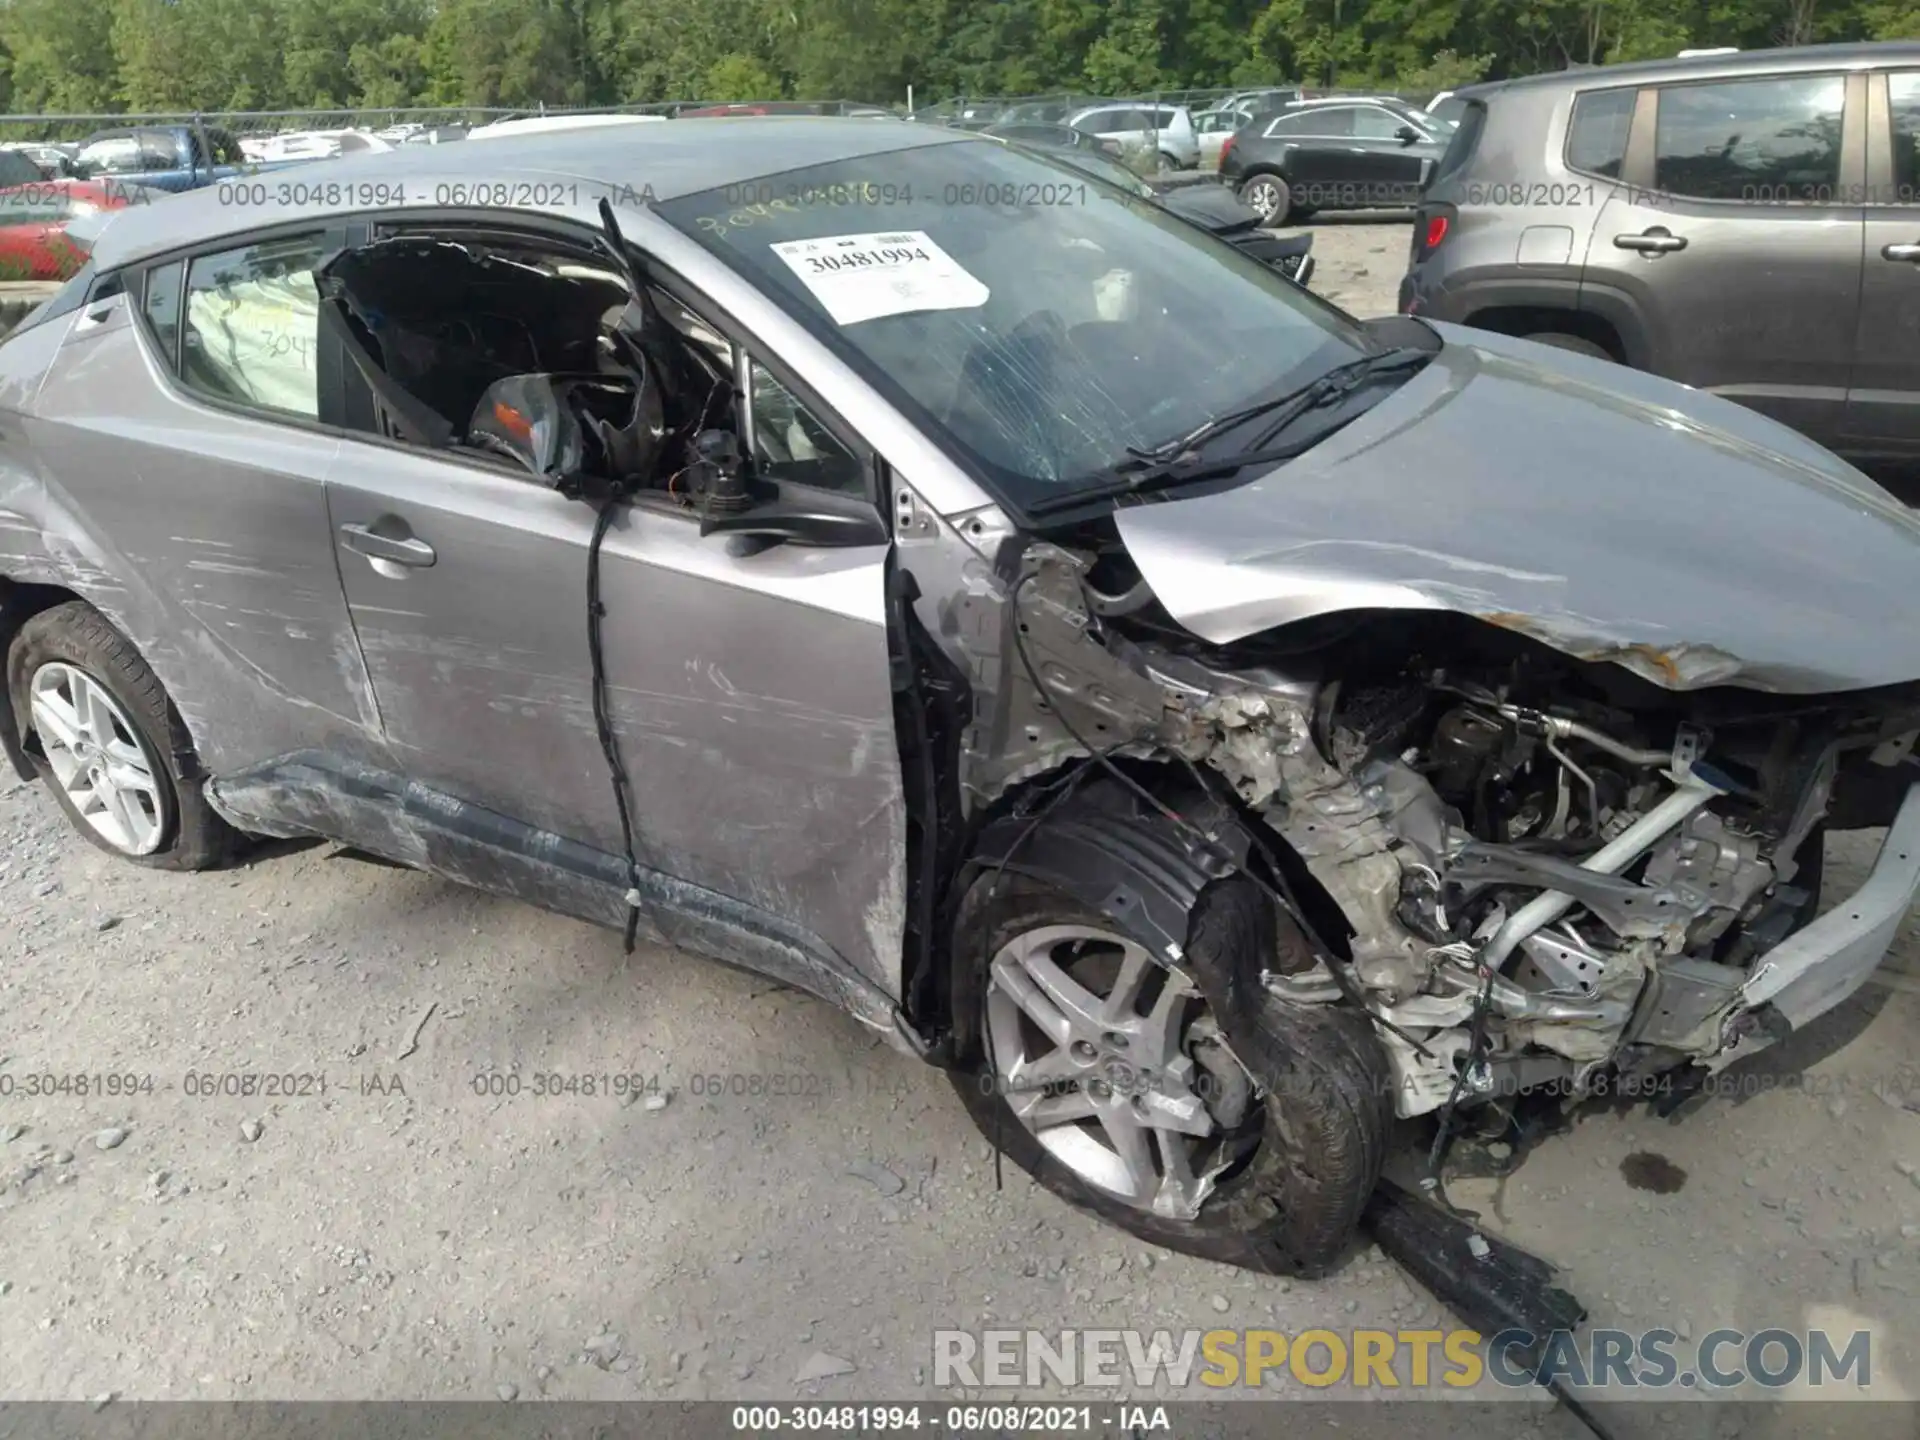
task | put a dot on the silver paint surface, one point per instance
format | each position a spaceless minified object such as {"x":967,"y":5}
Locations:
{"x":1608,"y":513}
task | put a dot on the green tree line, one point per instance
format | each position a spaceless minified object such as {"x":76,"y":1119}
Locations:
{"x":110,"y":55}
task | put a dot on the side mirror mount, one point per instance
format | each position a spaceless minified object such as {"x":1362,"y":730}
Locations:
{"x":732,"y":503}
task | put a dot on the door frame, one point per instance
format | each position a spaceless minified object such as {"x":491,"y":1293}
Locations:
{"x":502,"y":853}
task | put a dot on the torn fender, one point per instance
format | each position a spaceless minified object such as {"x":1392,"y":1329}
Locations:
{"x":1612,"y":515}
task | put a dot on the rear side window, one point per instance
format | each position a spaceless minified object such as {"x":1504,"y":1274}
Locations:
{"x":1333,"y":120}
{"x":1473,"y":119}
{"x":161,"y":305}
{"x":252,"y":322}
{"x":1903,"y":98}
{"x":1770,"y":140}
{"x":1597,"y":135}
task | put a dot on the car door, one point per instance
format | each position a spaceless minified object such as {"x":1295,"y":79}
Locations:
{"x":179,"y":428}
{"x":1735,"y":237}
{"x":1883,"y":397}
{"x":1320,"y":163}
{"x":1125,"y":127}
{"x":1212,"y":127}
{"x":749,"y":689}
{"x":1388,"y":168}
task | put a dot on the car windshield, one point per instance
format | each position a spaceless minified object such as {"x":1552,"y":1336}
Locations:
{"x":108,"y":157}
{"x":1036,"y":320}
{"x":1101,"y":166}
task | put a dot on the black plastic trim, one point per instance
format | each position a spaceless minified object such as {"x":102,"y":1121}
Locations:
{"x":1111,"y":851}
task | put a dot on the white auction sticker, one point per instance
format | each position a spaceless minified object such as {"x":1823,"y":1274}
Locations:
{"x":862,"y":277}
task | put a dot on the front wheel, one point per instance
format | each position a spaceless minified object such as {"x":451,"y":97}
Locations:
{"x":1187,"y":1106}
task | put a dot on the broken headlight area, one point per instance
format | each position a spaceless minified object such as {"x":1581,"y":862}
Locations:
{"x":1534,"y":870}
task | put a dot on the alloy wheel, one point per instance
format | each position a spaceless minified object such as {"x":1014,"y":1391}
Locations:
{"x":1263,"y":196}
{"x":1116,"y":1067}
{"x":98,"y":758}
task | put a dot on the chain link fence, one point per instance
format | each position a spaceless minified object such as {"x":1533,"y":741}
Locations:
{"x":1056,"y":106}
{"x":65,"y":129}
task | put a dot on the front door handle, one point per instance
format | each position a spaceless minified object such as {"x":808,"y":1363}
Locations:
{"x":394,"y":549}
{"x":1656,"y":241}
{"x":1900,"y":252}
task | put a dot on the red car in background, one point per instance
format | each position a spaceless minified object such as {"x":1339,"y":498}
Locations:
{"x":33,"y":224}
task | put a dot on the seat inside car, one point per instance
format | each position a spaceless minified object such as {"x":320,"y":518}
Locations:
{"x":473,"y":341}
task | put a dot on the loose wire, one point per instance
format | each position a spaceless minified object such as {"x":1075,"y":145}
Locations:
{"x":603,"y":724}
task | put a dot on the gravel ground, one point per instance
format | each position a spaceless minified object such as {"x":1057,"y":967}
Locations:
{"x":403,"y":1236}
{"x":1358,"y":260}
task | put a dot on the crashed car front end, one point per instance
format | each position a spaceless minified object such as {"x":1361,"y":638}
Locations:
{"x":1534,"y":870}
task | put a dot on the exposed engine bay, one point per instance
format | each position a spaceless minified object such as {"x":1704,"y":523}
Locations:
{"x":1533,"y":870}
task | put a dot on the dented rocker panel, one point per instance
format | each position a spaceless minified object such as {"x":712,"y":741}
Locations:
{"x":414,"y":825}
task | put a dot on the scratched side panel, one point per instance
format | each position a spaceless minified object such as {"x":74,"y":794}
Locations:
{"x":751,"y":694}
{"x":203,"y":536}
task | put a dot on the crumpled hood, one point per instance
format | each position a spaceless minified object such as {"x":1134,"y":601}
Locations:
{"x":1609,"y":513}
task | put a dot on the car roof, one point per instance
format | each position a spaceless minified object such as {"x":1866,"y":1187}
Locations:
{"x":681,"y":157}
{"x":1320,"y":102}
{"x":1731,"y":66}
{"x":539,"y":124}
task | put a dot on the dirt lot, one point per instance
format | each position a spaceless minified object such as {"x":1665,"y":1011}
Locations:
{"x":407,"y":1234}
{"x":1358,"y":260}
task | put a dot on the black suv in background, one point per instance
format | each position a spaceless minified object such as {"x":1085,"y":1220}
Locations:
{"x":1747,"y":223}
{"x":1343,"y":152}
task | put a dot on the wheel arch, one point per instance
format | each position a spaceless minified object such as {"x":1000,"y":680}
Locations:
{"x":1272,"y":169}
{"x":1107,"y":848}
{"x":20,"y":601}
{"x":1522,"y":320}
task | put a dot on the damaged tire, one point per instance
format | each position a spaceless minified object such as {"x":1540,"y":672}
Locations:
{"x":109,"y":742}
{"x":1125,"y":1088}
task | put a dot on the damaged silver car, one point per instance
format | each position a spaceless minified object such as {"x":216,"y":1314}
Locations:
{"x":1209,"y":725}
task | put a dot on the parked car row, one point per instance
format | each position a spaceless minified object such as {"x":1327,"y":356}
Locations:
{"x":1213,"y":728}
{"x":1746,"y":223}
{"x":1212,"y":207}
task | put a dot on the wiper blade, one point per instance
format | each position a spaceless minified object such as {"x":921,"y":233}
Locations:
{"x":1168,"y":473}
{"x":1177,"y":464}
{"x":1323,"y":389}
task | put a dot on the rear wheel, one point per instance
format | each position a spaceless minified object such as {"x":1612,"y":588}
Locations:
{"x":114,"y":747}
{"x":1165,"y":162}
{"x":1186,"y":1106}
{"x":1269,"y":198}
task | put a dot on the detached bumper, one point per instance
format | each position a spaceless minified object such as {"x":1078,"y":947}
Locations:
{"x":1809,"y":973}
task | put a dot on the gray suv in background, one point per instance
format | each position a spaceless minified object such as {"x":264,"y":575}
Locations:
{"x":1748,"y":224}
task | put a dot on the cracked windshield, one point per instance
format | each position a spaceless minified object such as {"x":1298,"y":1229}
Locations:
{"x":1039,"y":320}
